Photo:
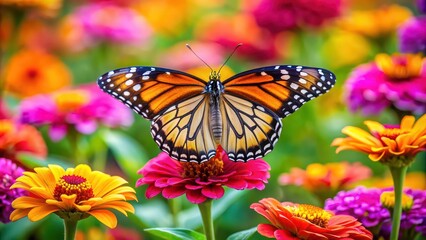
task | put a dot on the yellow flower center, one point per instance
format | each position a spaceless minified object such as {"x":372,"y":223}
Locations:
{"x":204,"y":170}
{"x":70,"y":100}
{"x":73,"y":184}
{"x":387,"y":199}
{"x":400,"y":67}
{"x":315,"y":215}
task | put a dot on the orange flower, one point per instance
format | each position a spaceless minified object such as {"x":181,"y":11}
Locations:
{"x":395,"y":145}
{"x":31,"y":72}
{"x":48,"y":7}
{"x":302,"y":221}
{"x":78,"y":192}
{"x":17,"y":138}
{"x":322,"y":177}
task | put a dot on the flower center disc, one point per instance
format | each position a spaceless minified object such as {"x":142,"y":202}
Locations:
{"x":400,"y":67}
{"x":204,"y":170}
{"x":72,"y":184}
{"x":311,"y":213}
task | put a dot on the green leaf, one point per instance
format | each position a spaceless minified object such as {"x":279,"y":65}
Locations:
{"x":32,"y":161}
{"x":176,"y":233}
{"x":152,"y":214}
{"x":243,"y":235}
{"x":191,"y":218}
{"x":129,"y":155}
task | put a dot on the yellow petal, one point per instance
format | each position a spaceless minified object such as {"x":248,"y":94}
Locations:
{"x":82,"y":170}
{"x":106,"y":217}
{"x":407,"y":122}
{"x":374,"y":126}
{"x":360,"y":135}
{"x":57,"y":171}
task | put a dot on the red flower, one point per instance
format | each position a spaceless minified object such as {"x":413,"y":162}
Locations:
{"x":18,"y":138}
{"x":202,"y":181}
{"x":301,"y":221}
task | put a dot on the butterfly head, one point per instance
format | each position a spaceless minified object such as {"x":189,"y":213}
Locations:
{"x":214,"y":76}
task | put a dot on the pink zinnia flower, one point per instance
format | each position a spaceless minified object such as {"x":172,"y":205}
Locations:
{"x":202,"y":181}
{"x":82,"y":108}
{"x":397,"y":81}
{"x":109,"y":22}
{"x":282,"y":15}
{"x":9,"y":172}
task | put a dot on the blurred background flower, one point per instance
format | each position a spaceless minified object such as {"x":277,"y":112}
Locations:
{"x":412,"y":35}
{"x":397,"y":81}
{"x":82,"y":109}
{"x":31,"y":72}
{"x":325,"y":180}
{"x":18,"y":138}
{"x":9,"y":172}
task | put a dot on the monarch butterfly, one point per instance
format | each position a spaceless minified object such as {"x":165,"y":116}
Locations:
{"x":192,"y":116}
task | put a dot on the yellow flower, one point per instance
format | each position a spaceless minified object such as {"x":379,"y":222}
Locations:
{"x":394,"y":145}
{"x":32,"y":72}
{"x":376,"y":23}
{"x":74,"y":191}
{"x":348,"y":48}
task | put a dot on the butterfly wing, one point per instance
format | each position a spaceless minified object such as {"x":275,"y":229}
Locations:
{"x":150,"y":90}
{"x":172,"y":100}
{"x":255,"y":100}
{"x":183,"y":130}
{"x":250,"y":131}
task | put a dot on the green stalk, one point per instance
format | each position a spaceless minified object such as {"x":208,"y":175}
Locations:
{"x":398,"y":176}
{"x":206,"y":214}
{"x":174,"y":205}
{"x":70,"y":227}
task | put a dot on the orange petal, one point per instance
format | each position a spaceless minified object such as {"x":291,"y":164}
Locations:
{"x":106,"y":217}
{"x":40,"y":212}
{"x":18,"y":214}
{"x":27,"y":202}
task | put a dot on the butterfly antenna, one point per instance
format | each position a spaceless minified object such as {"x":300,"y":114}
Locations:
{"x":230,"y":55}
{"x":189,"y":47}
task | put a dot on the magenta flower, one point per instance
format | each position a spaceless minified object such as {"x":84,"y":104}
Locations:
{"x":421,"y":5}
{"x":361,"y":203}
{"x":282,"y":15}
{"x":9,"y":172}
{"x":365,"y":205}
{"x":204,"y":181}
{"x":82,"y":108}
{"x":109,"y":22}
{"x":397,"y":81}
{"x":412,"y":35}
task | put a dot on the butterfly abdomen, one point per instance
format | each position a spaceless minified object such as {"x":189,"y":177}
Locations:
{"x":216,"y":122}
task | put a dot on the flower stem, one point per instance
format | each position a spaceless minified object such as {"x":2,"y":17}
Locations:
{"x":206,"y":214}
{"x":174,"y":205}
{"x":398,"y":176}
{"x":70,"y":227}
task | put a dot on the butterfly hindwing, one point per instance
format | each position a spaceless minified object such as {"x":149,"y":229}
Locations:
{"x":150,"y":90}
{"x":283,"y":89}
{"x":250,"y":131}
{"x":183,"y":130}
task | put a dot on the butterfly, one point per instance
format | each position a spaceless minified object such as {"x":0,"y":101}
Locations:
{"x":190,"y":117}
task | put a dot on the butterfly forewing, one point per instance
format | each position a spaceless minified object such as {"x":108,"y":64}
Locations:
{"x":282,"y":89}
{"x":150,"y":90}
